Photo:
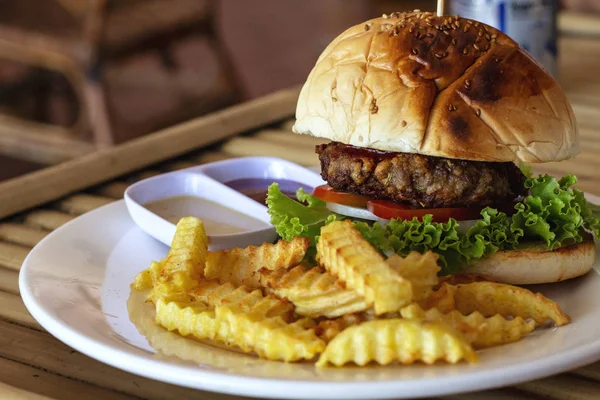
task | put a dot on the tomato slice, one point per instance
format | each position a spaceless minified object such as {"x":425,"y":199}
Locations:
{"x":330,"y":195}
{"x":390,"y":210}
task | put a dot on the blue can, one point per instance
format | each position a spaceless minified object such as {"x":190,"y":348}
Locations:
{"x":531,"y":23}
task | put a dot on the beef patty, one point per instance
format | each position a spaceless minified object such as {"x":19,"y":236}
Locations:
{"x":420,"y":180}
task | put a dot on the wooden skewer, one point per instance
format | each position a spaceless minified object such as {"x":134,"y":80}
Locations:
{"x":441,"y":6}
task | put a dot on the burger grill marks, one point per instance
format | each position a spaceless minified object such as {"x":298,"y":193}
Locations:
{"x":430,"y":182}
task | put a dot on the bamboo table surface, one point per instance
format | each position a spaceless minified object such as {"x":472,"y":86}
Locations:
{"x":34,"y":365}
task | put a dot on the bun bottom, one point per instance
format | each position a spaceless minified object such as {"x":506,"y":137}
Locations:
{"x":531,"y":266}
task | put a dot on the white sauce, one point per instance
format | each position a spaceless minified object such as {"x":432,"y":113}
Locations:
{"x":218,"y":219}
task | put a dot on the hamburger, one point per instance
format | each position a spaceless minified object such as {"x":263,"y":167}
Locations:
{"x":432,"y":122}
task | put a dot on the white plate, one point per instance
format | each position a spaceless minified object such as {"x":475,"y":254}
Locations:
{"x":75,"y":282}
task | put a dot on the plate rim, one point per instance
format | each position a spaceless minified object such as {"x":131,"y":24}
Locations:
{"x":230,"y":383}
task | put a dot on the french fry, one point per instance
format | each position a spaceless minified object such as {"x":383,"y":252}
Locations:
{"x":490,"y":298}
{"x":147,"y":278}
{"x":239,"y":266}
{"x":403,"y":340}
{"x":419,"y":269}
{"x":442,"y":299}
{"x":185,"y":261}
{"x":271,"y":338}
{"x":343,"y":252}
{"x":477,"y":329}
{"x":330,"y":328}
{"x":314,"y":292}
{"x":215,"y":294}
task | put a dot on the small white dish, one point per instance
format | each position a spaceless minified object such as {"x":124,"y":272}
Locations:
{"x":208,"y":182}
{"x":75,"y":283}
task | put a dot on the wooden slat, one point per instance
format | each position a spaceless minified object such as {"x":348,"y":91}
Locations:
{"x":52,"y":183}
{"x":177,"y":165}
{"x":149,"y":173}
{"x":42,"y":349}
{"x":44,"y":144}
{"x":290,"y":139}
{"x":243,"y":146}
{"x":36,"y":382}
{"x":9,"y":281}
{"x":21,"y":234}
{"x":81,"y":203}
{"x":563,"y":387}
{"x":500,"y":394}
{"x":12,"y":255}
{"x":47,"y":219}
{"x":13,"y":309}
{"x":210,"y":156}
{"x":590,"y":372}
{"x":13,"y":393}
{"x":114,"y":190}
{"x":287,"y":124}
{"x":573,"y":23}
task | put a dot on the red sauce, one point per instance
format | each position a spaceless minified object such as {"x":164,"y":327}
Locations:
{"x":356,"y":151}
{"x":256,"y":188}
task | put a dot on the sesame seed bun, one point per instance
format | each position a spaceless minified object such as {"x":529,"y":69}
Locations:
{"x":531,"y":266}
{"x":437,"y":86}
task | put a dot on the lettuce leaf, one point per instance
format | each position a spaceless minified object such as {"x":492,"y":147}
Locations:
{"x":292,"y":218}
{"x":553,"y":214}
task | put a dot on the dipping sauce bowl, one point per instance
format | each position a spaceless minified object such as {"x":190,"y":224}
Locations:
{"x":227,"y":195}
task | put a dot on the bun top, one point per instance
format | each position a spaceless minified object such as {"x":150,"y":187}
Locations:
{"x":438,"y":86}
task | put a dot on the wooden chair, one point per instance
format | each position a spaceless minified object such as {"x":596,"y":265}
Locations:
{"x":109,"y":31}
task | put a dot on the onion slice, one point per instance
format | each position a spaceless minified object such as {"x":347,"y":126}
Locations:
{"x":354,"y":212}
{"x":363,"y":213}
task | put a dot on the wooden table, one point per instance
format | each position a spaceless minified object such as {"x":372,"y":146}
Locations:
{"x":34,"y":365}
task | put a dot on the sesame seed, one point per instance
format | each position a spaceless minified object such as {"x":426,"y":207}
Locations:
{"x":446,"y":32}
{"x":453,"y":40}
{"x":494,"y":36}
{"x":403,"y":123}
{"x":480,"y":33}
{"x":411,"y":29}
{"x":451,"y":107}
{"x":438,"y":56}
{"x":415,"y":51}
{"x":466,"y":29}
{"x":476,"y":24}
{"x":368,"y":26}
{"x":469,"y":22}
{"x":478,"y":112}
{"x":477,"y":39}
{"x":468,"y":83}
{"x":416,"y":10}
{"x":487,"y":47}
{"x":487,"y":36}
{"x":498,"y":60}
{"x":384,"y":16}
{"x":430,"y":35}
{"x":475,"y":45}
{"x":465,"y":51}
